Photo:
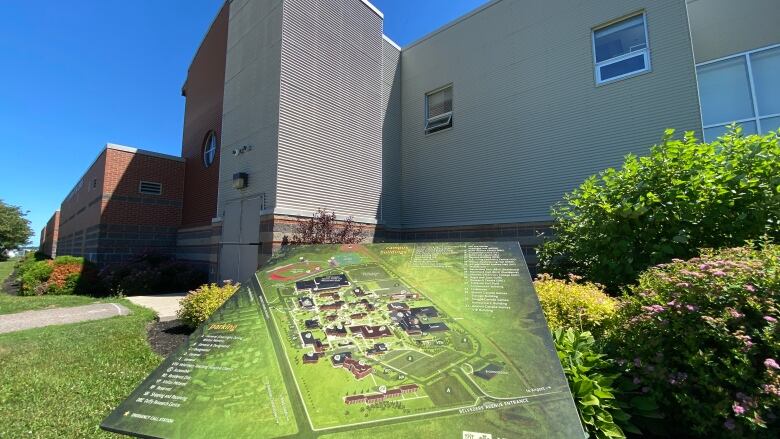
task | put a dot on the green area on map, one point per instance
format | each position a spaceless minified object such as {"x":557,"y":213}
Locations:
{"x":443,"y":340}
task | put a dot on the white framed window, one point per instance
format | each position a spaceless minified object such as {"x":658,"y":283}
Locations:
{"x":743,"y":89}
{"x":621,"y":50}
{"x":210,"y":149}
{"x":438,"y":109}
{"x":150,"y":187}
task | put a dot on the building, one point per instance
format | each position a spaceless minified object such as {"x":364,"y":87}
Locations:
{"x":471,"y":132}
{"x":50,"y":235}
{"x":127,"y":203}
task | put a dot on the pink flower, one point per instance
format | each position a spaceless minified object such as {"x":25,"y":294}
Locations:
{"x":734,"y":313}
{"x":704,"y":267}
{"x":719,"y":273}
{"x":770,"y":363}
{"x":750,"y":288}
{"x":738,"y":409}
{"x":770,"y":319}
{"x":771,"y":389}
{"x":691,"y":308}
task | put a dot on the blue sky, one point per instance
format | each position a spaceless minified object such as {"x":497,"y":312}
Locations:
{"x":77,"y":75}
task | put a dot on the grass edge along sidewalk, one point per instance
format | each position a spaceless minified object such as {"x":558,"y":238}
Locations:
{"x":61,"y":381}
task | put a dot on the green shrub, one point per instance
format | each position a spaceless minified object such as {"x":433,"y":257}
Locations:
{"x":151,"y":273}
{"x":27,"y":262}
{"x":34,"y":276}
{"x":199,"y":304}
{"x":702,"y":337}
{"x":683,"y":196}
{"x":63,"y":275}
{"x":592,"y":382}
{"x":569,"y":304}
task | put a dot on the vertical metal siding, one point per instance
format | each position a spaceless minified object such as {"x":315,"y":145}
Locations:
{"x":529,"y":122}
{"x":330,"y":108}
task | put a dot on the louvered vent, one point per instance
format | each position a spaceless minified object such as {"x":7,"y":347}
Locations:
{"x":150,"y":188}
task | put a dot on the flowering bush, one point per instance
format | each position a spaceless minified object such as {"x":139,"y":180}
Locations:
{"x":577,"y":305}
{"x":63,"y":275}
{"x":199,"y":304}
{"x":701,"y":338}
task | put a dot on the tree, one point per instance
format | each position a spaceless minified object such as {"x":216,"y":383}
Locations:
{"x":323,"y":228}
{"x":15,"y":229}
{"x":685,"y":195}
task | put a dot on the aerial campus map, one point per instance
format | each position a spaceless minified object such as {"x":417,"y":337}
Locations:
{"x":439,"y":340}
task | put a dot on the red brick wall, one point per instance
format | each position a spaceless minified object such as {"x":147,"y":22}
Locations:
{"x":124,"y":204}
{"x":81,"y":210}
{"x":50,"y":234}
{"x":204,"y":92}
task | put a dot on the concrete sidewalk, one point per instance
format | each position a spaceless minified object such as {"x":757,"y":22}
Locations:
{"x":60,"y":316}
{"x":165,"y":305}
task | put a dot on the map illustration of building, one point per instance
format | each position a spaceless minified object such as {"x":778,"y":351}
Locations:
{"x":440,"y":340}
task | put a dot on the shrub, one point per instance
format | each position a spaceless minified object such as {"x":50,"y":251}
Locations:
{"x":592,"y":382}
{"x":683,"y":196}
{"x":152,"y":273}
{"x":323,"y":228}
{"x":34,"y":276}
{"x":27,"y":262}
{"x":63,"y":275}
{"x":568,"y":304}
{"x":701,"y":336}
{"x":199,"y":304}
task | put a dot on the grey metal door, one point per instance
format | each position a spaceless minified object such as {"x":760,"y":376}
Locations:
{"x":240,"y":239}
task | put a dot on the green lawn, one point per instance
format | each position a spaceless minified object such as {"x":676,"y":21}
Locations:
{"x":12,"y":304}
{"x":61,"y":381}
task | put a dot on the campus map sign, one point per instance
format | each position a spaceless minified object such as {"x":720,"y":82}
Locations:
{"x":440,"y":340}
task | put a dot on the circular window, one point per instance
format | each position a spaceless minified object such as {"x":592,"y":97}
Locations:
{"x":210,"y":149}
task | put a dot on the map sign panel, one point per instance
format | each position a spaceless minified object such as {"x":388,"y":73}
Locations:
{"x":436,"y":340}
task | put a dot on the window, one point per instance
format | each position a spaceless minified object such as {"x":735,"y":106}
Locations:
{"x":438,"y":110}
{"x":742,"y":88}
{"x":210,"y":149}
{"x":620,"y":49}
{"x":94,"y":184}
{"x":150,"y":188}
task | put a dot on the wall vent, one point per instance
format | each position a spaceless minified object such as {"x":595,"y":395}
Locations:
{"x":150,"y":188}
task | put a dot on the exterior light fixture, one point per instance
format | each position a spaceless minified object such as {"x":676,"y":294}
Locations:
{"x":240,"y":180}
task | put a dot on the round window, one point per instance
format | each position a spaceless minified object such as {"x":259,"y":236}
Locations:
{"x":210,"y":149}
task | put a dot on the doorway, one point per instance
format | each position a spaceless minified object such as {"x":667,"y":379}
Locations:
{"x":240,"y":242}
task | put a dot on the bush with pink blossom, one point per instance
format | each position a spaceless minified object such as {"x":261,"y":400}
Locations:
{"x":701,"y":337}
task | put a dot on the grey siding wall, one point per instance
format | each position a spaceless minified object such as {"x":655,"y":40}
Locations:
{"x":721,"y":28}
{"x":251,"y":102}
{"x":391,"y":136}
{"x":330,"y":109}
{"x":529,"y":122}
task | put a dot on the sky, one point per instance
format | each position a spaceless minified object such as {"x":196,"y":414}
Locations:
{"x":79,"y":74}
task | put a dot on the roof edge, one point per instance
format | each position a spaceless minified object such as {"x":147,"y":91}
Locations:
{"x":391,"y":42}
{"x":452,"y":23}
{"x":374,"y":8}
{"x":133,"y":150}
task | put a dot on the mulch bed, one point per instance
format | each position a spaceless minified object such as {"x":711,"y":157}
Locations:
{"x":10,"y":285}
{"x":166,"y":337}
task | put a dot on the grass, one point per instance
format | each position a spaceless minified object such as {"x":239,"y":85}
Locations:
{"x":61,"y":381}
{"x":12,"y":304}
{"x":6,"y":267}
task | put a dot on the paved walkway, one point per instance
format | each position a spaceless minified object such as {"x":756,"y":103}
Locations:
{"x":60,"y":316}
{"x":164,"y":304}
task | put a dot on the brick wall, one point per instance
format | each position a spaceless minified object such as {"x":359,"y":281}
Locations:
{"x":49,"y":236}
{"x":106,"y":219}
{"x":80,"y":210}
{"x":204,"y":91}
